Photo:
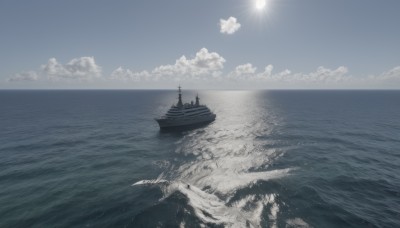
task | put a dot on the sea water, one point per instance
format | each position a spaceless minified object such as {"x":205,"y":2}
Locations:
{"x":270,"y":159}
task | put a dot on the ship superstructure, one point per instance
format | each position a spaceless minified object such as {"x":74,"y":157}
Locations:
{"x":186,"y":114}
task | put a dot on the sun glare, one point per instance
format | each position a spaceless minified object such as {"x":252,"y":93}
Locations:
{"x":260,"y":4}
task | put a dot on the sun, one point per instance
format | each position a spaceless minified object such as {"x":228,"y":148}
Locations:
{"x":260,"y":4}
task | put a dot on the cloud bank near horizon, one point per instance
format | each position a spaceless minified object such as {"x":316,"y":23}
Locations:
{"x":83,"y":68}
{"x":206,"y":67}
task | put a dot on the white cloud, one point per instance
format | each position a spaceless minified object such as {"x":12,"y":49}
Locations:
{"x":389,"y":79}
{"x":244,"y":72}
{"x":205,"y":68}
{"x":24,"y":76}
{"x":245,"y":69}
{"x":203,"y":65}
{"x":127,"y":75}
{"x":208,"y":66}
{"x":229,"y":26}
{"x":321,"y":75}
{"x":393,"y":74}
{"x":268,"y":71}
{"x":83,"y":68}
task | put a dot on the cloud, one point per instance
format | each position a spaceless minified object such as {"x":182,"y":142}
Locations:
{"x":268,"y":71}
{"x":229,"y":26}
{"x":83,"y":68}
{"x":393,"y":74}
{"x":244,"y":72}
{"x":206,"y":68}
{"x":269,"y":76}
{"x":245,"y":69}
{"x":204,"y":64}
{"x":127,"y":75}
{"x":321,"y":75}
{"x":24,"y":76}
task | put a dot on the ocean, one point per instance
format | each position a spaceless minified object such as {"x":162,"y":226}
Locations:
{"x":97,"y":158}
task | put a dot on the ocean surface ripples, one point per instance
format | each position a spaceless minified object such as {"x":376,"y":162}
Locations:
{"x":271,"y":159}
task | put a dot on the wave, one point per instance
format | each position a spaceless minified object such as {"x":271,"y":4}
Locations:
{"x":246,"y":211}
{"x":208,"y":207}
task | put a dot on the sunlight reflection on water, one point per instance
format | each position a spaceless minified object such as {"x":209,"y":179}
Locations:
{"x":228,"y":157}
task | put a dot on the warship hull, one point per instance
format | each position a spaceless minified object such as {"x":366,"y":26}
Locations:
{"x":184,"y":121}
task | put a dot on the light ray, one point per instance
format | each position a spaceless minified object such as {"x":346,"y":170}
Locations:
{"x":260,"y":4}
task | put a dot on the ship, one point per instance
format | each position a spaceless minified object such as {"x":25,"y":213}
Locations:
{"x":188,"y":114}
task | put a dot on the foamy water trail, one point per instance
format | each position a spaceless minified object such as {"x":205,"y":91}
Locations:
{"x":225,"y":183}
{"x":211,"y":209}
{"x":151,"y":182}
{"x":224,"y":160}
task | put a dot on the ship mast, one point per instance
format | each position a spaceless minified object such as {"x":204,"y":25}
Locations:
{"x":179,"y":97}
{"x":197,"y":100}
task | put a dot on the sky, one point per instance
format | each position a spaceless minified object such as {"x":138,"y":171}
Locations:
{"x":207,"y":44}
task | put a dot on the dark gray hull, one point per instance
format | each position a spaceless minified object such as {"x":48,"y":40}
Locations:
{"x":185,"y":121}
